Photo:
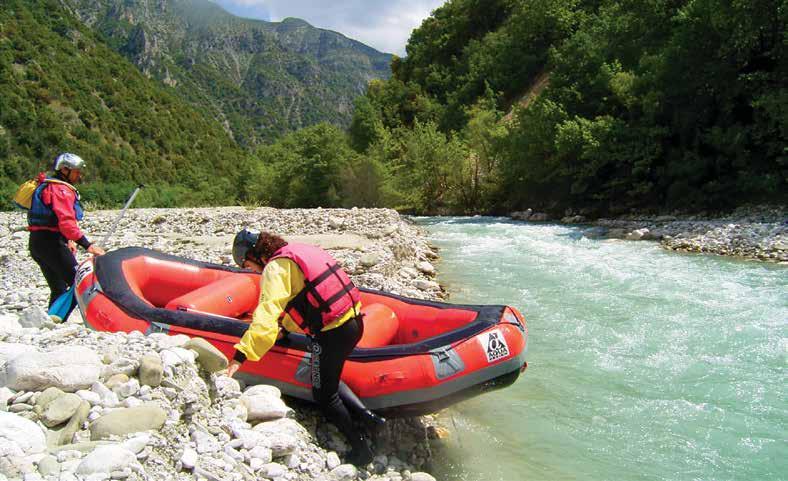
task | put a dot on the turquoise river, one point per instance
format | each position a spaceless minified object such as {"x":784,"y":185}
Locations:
{"x":644,"y":364}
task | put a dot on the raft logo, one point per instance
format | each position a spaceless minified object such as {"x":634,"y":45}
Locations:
{"x":83,"y":272}
{"x":494,"y":345}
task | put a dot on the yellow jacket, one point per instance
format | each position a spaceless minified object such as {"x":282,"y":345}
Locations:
{"x":280,"y":282}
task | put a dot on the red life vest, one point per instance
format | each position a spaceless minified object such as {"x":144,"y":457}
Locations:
{"x":328,"y":291}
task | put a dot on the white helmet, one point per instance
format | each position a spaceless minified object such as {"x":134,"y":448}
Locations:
{"x":69,"y":161}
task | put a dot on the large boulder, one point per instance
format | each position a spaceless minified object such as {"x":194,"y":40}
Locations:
{"x":126,"y":421}
{"x":69,"y":368}
{"x":23,"y":432}
{"x":9,"y":350}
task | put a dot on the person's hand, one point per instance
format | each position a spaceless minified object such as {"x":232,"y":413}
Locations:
{"x":232,"y":368}
{"x":95,"y":250}
{"x":72,"y":246}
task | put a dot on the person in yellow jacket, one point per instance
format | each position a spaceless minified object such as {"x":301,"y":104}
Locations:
{"x":304,"y":290}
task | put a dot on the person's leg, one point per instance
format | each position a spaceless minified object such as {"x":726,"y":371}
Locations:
{"x":50,"y":251}
{"x":329,"y":351}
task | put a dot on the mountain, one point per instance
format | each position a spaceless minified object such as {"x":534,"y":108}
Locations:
{"x":260,"y":79}
{"x":63,"y":89}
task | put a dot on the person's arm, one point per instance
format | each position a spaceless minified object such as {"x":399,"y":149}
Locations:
{"x":275,"y":293}
{"x":62,"y":201}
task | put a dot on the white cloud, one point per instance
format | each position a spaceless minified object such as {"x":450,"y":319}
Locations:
{"x":383,"y":24}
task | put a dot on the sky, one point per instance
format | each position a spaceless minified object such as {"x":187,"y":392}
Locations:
{"x":382,"y":24}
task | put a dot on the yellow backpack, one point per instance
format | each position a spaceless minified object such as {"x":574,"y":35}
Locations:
{"x":24,"y":194}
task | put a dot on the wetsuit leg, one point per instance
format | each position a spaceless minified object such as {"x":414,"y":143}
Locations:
{"x":330,"y":349}
{"x":50,"y":251}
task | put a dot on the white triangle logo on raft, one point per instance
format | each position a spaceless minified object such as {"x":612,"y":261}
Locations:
{"x":494,"y":345}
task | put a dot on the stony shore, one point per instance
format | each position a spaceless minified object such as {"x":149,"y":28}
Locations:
{"x":76,"y":404}
{"x":755,"y":233}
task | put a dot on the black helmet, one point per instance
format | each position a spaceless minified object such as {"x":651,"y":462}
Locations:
{"x":244,"y":240}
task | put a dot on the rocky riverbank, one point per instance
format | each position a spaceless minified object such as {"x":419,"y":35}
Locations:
{"x":757,"y":233}
{"x":78,"y":404}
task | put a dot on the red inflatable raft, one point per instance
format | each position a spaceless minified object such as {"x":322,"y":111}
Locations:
{"x":415,"y":357}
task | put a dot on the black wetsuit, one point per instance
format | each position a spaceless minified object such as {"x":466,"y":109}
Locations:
{"x":329,"y":351}
{"x":50,"y":251}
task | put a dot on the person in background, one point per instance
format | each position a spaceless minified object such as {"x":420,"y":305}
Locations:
{"x":53,"y":222}
{"x":303,"y":289}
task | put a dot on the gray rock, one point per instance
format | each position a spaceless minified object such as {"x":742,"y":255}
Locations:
{"x":108,"y":398}
{"x":23,"y":433}
{"x":20,"y":408}
{"x":126,"y":421}
{"x":595,"y":232}
{"x":521,"y":215}
{"x":282,"y":426}
{"x":421,"y":477}
{"x":175,"y":356}
{"x":205,"y":443}
{"x":273,"y":470}
{"x":137,"y":443}
{"x":106,"y":459}
{"x":66,"y":435}
{"x":5,"y":395}
{"x":116,"y":380}
{"x":70,"y":368}
{"x":189,"y":458}
{"x":426,"y":268}
{"x":9,"y":324}
{"x":336,"y":222}
{"x":332,"y":460}
{"x":210,"y":358}
{"x":369,"y":259}
{"x":93,"y":398}
{"x":48,"y":466}
{"x":263,"y":453}
{"x":60,"y":409}
{"x":127,"y":389}
{"x":151,"y":370}
{"x":263,"y":407}
{"x":425,"y":285}
{"x":283,"y":445}
{"x":227,"y":387}
{"x":408,"y":272}
{"x":34,"y":317}
{"x":343,"y":472}
{"x":47,"y":396}
{"x":637,"y":234}
{"x":539,"y":217}
{"x":10,"y":350}
{"x":266,"y":389}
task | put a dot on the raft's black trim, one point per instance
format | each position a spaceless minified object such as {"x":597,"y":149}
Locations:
{"x":109,"y":272}
{"x":418,"y":402}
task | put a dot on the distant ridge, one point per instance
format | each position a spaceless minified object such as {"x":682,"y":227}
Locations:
{"x":260,"y":79}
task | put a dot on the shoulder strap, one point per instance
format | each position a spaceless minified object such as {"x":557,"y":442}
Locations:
{"x":56,"y":181}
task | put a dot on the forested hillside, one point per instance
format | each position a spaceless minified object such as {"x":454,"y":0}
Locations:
{"x":645,"y":104}
{"x":62,"y":89}
{"x":261,"y":79}
{"x":595,"y":106}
